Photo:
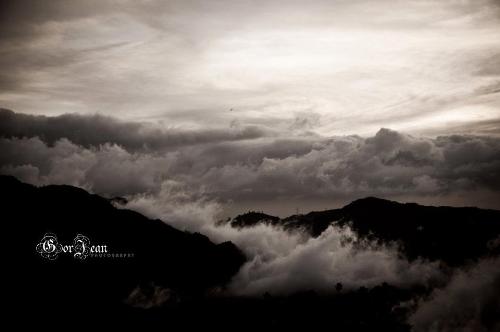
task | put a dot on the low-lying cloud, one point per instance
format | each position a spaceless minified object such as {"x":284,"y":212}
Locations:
{"x":320,"y":263}
{"x":469,"y":302}
{"x":282,"y":262}
{"x":242,"y":170}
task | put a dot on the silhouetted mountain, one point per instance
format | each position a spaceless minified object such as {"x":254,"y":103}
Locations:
{"x":174,"y":277}
{"x":252,"y":218}
{"x":183,"y":263}
{"x":450,"y":234}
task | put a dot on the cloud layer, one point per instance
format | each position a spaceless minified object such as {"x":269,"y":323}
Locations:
{"x":96,"y":130}
{"x":246,"y":167}
{"x":192,"y":179}
{"x":283,"y":262}
{"x":320,"y":263}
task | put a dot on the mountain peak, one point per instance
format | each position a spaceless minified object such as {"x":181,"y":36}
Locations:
{"x":252,"y":218}
{"x":369,"y":202}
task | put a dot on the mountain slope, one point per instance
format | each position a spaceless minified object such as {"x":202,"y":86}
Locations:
{"x":450,"y":234}
{"x":157,"y":256}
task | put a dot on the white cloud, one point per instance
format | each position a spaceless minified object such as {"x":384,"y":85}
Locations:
{"x":283,"y":262}
{"x":469,"y":302}
{"x":319,"y":263}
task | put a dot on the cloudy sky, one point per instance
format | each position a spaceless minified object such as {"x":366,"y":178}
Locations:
{"x":330,"y":66}
{"x":198,"y":110}
{"x":256,"y":104}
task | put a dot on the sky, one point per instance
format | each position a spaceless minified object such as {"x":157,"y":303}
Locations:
{"x":196,"y":111}
{"x":267,"y":105}
{"x":331,"y":67}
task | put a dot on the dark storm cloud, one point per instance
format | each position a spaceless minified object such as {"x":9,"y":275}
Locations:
{"x":97,"y":129}
{"x":244,"y":165}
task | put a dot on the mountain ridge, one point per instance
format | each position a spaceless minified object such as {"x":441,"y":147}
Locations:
{"x":176,"y":277}
{"x":453,"y":235}
{"x":143,"y":253}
